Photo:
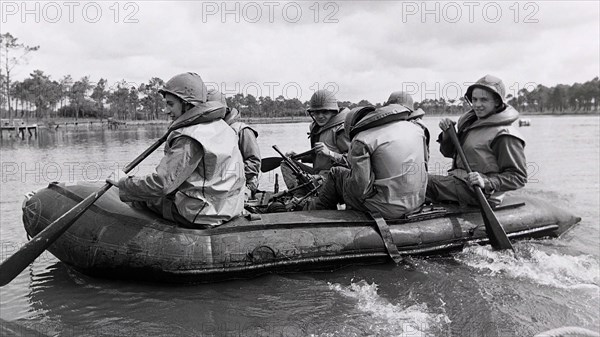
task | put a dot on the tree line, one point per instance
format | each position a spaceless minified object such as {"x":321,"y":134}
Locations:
{"x":40,"y":96}
{"x":560,"y":99}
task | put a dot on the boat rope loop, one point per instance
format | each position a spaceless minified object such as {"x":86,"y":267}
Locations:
{"x":568,"y":331}
{"x":386,"y":236}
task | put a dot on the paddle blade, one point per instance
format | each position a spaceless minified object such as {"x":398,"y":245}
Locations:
{"x":270,"y":163}
{"x":16,"y":263}
{"x":493,"y":228}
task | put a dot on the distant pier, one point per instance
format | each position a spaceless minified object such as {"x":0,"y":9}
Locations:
{"x":18,"y":128}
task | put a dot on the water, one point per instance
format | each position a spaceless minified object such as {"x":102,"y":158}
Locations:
{"x":478,"y":292}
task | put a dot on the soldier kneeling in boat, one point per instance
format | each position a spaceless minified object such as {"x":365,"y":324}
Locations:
{"x":200,"y":181}
{"x":327,"y":139}
{"x":387,"y":159}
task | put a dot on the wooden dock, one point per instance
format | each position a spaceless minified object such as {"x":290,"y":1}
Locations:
{"x":18,"y":128}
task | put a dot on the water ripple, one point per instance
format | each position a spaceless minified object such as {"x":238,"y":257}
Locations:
{"x":388,"y":319}
{"x":546,"y":268}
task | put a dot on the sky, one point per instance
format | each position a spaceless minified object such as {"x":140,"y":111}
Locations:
{"x":358,"y":49}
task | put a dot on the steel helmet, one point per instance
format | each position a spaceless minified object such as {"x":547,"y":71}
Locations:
{"x":402,"y":98}
{"x":323,"y":100}
{"x":353,"y":117}
{"x":216,"y":95}
{"x":489,"y":83}
{"x":189,"y":87}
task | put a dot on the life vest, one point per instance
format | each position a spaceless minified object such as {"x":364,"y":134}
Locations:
{"x":477,"y":139}
{"x":398,"y":156}
{"x":214,"y":192}
{"x":427,"y":138}
{"x":231,"y":118}
{"x":239,"y":126}
{"x":416,"y":116}
{"x":328,"y":135}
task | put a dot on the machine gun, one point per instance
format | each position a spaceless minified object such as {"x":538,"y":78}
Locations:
{"x":288,"y":200}
{"x":303,"y":177}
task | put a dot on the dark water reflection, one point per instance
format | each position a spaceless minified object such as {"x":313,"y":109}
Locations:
{"x":477,"y":292}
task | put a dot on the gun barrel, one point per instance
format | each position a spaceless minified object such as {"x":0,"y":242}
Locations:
{"x":292,"y":164}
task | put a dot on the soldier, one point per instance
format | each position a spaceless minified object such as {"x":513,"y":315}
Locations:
{"x":493,"y":146}
{"x":327,"y":138}
{"x":247,"y":141}
{"x":199,"y":181}
{"x":387,"y":162}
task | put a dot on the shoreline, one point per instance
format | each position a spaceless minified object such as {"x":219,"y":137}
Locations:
{"x":95,"y":122}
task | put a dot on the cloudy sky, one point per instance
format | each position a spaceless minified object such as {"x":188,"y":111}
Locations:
{"x":360,"y":49}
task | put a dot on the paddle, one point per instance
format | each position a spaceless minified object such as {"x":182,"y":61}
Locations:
{"x":14,"y":265}
{"x":271,"y":163}
{"x":493,"y":228}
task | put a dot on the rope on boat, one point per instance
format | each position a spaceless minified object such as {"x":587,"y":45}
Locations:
{"x":568,"y":331}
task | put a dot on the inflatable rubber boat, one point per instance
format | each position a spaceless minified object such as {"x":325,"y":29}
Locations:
{"x":113,"y":240}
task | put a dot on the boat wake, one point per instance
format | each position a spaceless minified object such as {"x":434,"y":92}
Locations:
{"x":388,"y":319}
{"x":546,"y":268}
